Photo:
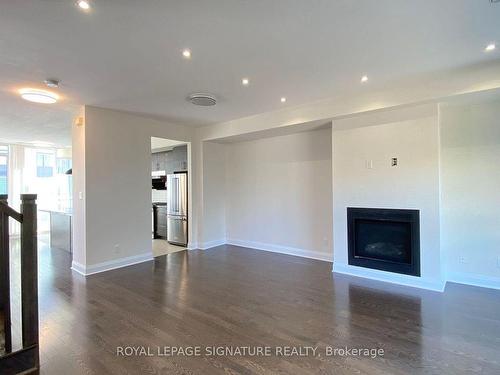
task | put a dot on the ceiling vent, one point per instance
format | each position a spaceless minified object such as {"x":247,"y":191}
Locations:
{"x":205,"y":100}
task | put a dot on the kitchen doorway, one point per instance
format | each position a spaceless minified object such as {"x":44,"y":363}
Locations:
{"x":169,"y":196}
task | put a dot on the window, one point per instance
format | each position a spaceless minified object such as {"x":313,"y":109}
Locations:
{"x":63,"y":165}
{"x":4,"y":161}
{"x":44,"y":164}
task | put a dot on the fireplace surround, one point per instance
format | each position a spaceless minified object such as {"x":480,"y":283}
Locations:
{"x":384,"y":239}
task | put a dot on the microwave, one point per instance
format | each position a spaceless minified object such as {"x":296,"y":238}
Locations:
{"x":159,"y":183}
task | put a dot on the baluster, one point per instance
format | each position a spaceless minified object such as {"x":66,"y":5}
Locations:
{"x":5,"y":275}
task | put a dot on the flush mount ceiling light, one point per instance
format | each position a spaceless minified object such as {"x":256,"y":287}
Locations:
{"x":245,"y":81}
{"x":204,"y":100}
{"x":283,"y":100}
{"x":364,"y":79}
{"x":83,"y":4}
{"x":490,"y":47}
{"x":38,"y":96}
{"x":186,"y":53}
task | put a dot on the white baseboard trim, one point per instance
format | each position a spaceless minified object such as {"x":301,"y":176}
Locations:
{"x":389,"y":277}
{"x":110,"y":265}
{"x":282,"y":249}
{"x":474,"y":280}
{"x":209,"y":244}
{"x":192,"y":246}
{"x":78,"y":268}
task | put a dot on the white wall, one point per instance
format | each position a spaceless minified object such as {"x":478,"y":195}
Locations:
{"x":279,"y":194}
{"x":214,"y":195}
{"x":414,"y":184}
{"x":470,"y":177}
{"x":78,"y":164}
{"x":112,"y":154}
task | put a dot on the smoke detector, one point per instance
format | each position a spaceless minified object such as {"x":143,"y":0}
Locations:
{"x":205,"y":100}
{"x":53,"y":83}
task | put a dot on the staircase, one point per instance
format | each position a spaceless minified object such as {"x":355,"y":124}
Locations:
{"x":26,"y":359}
{"x":2,"y":334}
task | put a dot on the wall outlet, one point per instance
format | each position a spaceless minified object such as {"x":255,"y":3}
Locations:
{"x":394,"y":162}
{"x":117,"y":249}
{"x":462,"y":259}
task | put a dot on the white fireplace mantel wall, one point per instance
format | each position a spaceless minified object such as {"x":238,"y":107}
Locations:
{"x":363,"y":177}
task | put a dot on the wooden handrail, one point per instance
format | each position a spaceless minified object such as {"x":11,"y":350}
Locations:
{"x":27,"y":358}
{"x":7,"y":210}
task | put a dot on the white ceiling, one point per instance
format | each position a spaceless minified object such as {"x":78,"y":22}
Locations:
{"x":162,"y":143}
{"x":126,"y":54}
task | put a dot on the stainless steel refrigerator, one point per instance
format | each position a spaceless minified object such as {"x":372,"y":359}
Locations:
{"x":177,"y":222}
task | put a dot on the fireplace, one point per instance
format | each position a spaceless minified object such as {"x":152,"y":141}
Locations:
{"x":384,"y":239}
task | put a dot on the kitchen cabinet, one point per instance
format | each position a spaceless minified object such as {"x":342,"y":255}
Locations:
{"x":160,"y":221}
{"x":170,"y":161}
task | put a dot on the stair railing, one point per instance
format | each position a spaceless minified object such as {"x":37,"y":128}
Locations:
{"x":27,"y":358}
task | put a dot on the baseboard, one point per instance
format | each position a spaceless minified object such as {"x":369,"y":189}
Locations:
{"x":282,"y":249}
{"x":389,"y":277}
{"x":110,"y":265}
{"x":192,"y":246}
{"x":475,"y":280}
{"x":209,"y":244}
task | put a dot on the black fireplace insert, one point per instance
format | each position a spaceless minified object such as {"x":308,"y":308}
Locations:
{"x":384,"y":239}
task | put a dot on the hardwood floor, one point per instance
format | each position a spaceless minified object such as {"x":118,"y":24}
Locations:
{"x":241,"y":297}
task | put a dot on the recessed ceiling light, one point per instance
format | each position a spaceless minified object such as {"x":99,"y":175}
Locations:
{"x":38,"y":96}
{"x":364,"y":79}
{"x":245,"y":81}
{"x":490,"y":47}
{"x":186,"y":53}
{"x":83,"y":4}
{"x":283,"y":100}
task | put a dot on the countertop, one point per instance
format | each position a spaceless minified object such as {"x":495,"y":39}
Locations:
{"x":58,"y":210}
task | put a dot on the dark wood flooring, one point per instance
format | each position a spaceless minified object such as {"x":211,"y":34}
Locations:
{"x":241,"y":297}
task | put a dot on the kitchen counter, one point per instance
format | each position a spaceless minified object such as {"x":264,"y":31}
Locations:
{"x":60,"y":228}
{"x":62,"y":211}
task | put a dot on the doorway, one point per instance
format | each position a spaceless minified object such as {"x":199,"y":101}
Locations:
{"x":169,"y":196}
